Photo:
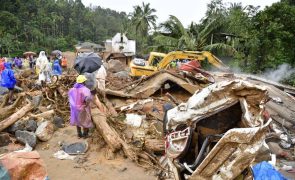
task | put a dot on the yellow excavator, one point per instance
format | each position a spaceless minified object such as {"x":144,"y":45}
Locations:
{"x":158,"y":61}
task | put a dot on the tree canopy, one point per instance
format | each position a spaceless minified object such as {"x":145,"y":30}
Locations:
{"x":54,"y":24}
{"x":256,"y":39}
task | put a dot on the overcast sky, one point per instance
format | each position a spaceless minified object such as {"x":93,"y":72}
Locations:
{"x":186,"y":10}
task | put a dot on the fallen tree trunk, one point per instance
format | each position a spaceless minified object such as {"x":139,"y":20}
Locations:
{"x":16,"y":116}
{"x":99,"y":105}
{"x":46,"y":114}
{"x":8,"y":110}
{"x":32,"y":93}
{"x":109,"y":135}
{"x":154,"y":145}
{"x":284,"y":113}
{"x":111,"y":108}
{"x":128,"y":151}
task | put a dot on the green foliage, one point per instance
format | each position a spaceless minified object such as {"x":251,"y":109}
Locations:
{"x":275,"y":35}
{"x":142,"y":20}
{"x":54,"y":24}
{"x":175,"y":37}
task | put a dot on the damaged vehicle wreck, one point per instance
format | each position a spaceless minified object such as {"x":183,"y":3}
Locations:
{"x":217,"y":133}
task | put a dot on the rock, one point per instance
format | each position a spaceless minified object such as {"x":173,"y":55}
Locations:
{"x":19,"y":125}
{"x":31,"y":125}
{"x":122,"y":75}
{"x":115,"y":66}
{"x":58,"y":122}
{"x":45,"y":131}
{"x":4,"y":139}
{"x":26,"y":137}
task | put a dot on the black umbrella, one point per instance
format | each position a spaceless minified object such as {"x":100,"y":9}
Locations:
{"x":56,"y":52}
{"x":87,"y":62}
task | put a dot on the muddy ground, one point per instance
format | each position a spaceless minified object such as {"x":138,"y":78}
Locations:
{"x":92,"y":165}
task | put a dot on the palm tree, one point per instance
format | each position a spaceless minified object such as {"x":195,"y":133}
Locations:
{"x":175,"y":37}
{"x":143,"y":18}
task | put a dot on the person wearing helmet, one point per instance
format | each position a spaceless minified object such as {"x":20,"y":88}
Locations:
{"x":80,"y":98}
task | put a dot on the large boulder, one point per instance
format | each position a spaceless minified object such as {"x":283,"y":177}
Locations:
{"x":45,"y":131}
{"x":115,"y":66}
{"x":26,"y":137}
{"x":23,"y":125}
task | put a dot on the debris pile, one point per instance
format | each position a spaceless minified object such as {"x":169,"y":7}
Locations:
{"x":172,"y":122}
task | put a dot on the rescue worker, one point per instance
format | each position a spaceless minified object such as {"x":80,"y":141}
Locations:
{"x":2,"y":67}
{"x":43,"y":67}
{"x":18,"y":62}
{"x":64,"y":62}
{"x":26,"y":63}
{"x":56,"y":68}
{"x":31,"y":61}
{"x":100,"y":79}
{"x":8,"y":80}
{"x":80,"y":98}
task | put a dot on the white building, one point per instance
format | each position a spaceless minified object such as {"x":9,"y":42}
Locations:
{"x":120,"y":44}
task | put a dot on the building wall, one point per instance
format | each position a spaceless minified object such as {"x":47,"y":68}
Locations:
{"x":119,"y":41}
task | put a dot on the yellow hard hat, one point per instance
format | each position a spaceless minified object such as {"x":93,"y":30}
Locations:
{"x":81,"y":79}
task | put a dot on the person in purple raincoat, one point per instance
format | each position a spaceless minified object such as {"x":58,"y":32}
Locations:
{"x":80,"y":98}
{"x":18,"y":62}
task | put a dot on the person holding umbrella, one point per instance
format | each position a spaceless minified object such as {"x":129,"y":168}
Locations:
{"x":80,"y":98}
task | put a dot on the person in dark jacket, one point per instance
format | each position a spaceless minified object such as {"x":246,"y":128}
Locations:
{"x":8,"y":80}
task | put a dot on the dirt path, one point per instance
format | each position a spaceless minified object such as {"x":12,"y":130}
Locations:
{"x":92,"y":165}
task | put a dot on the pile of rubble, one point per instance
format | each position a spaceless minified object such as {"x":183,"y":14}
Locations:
{"x":179,"y":125}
